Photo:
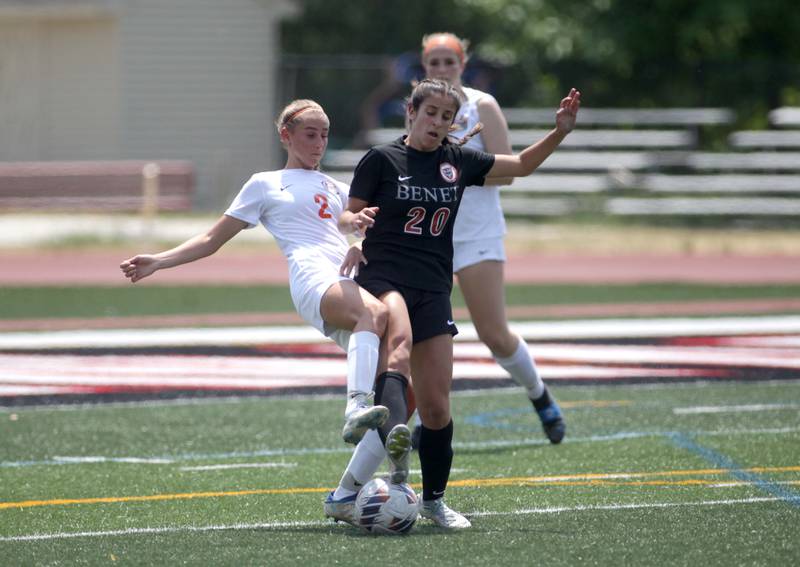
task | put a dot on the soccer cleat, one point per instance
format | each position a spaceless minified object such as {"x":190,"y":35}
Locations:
{"x":341,"y":510}
{"x":442,"y":515}
{"x":398,"y":447}
{"x":362,"y":418}
{"x":551,"y":418}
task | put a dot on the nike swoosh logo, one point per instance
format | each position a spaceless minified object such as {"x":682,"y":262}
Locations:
{"x":438,"y":492}
{"x":402,"y":178}
{"x":449,"y":322}
{"x":482,"y":252}
{"x":285,"y":187}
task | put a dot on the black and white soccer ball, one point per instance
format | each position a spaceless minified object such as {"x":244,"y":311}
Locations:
{"x":385,"y":508}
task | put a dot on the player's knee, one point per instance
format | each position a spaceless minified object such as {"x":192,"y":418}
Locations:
{"x":500,"y":342}
{"x":380,"y":317}
{"x":435,"y":416}
{"x":399,"y":358}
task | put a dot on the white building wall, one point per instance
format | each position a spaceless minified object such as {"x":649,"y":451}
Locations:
{"x":80,"y":98}
{"x":20,"y":90}
{"x":144,"y":79}
{"x":58,"y":86}
{"x":198,"y":84}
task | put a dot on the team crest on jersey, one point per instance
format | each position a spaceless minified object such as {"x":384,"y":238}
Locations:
{"x":448,"y":172}
{"x":329,"y":185}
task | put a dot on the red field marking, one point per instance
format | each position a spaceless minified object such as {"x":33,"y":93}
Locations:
{"x":309,"y":366}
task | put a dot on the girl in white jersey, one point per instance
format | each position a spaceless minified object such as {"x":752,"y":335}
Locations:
{"x":479,"y":255}
{"x":300,"y":207}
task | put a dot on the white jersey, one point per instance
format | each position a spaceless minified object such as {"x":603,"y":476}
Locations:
{"x":301,"y":209}
{"x":480,"y":214}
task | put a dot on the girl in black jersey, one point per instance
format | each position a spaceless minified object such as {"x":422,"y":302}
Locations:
{"x":404,"y":196}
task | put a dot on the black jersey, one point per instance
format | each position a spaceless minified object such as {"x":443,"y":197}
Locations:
{"x":418,"y":194}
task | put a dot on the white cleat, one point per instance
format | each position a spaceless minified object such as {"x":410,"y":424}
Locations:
{"x":361,"y":419}
{"x":341,"y":510}
{"x":398,"y":447}
{"x":442,"y":515}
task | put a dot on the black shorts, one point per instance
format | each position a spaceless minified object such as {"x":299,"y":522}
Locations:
{"x":430,"y":312}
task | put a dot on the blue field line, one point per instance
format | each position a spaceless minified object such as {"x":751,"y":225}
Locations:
{"x":683,"y":441}
{"x":495,"y":443}
{"x":494,"y":419}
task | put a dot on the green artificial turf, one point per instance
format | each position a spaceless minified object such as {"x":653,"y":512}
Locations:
{"x":90,"y":301}
{"x":683,"y":474}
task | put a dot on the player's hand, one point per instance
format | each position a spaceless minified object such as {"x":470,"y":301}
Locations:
{"x":139,"y":267}
{"x":567,"y":112}
{"x":352,"y":260}
{"x":364,"y":220}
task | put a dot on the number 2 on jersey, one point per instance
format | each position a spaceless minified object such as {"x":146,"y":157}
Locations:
{"x":322,"y":201}
{"x":438,"y":220}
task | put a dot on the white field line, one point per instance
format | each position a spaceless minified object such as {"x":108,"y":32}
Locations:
{"x":27,"y":372}
{"x":790,"y":341}
{"x":304,"y":334}
{"x":34,"y":390}
{"x":733,"y":409}
{"x":740,"y":483}
{"x":419,"y":471}
{"x":613,"y":507}
{"x":650,"y":354}
{"x":98,"y":459}
{"x":291,"y":525}
{"x":241,"y":466}
{"x":168,"y":459}
{"x":239,"y":399}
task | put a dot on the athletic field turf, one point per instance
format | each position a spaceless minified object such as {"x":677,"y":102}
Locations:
{"x":692,"y":473}
{"x":682,"y":448}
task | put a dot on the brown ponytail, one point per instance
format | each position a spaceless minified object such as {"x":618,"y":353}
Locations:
{"x":474,"y":131}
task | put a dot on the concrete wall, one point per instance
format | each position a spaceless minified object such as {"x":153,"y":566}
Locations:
{"x":144,"y":79}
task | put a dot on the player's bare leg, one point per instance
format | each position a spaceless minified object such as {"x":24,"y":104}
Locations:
{"x":432,"y":367}
{"x":347,"y":306}
{"x":483,"y":288}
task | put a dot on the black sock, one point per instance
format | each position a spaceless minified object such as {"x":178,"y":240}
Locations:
{"x":436,"y":458}
{"x":542,"y":401}
{"x":390,"y":391}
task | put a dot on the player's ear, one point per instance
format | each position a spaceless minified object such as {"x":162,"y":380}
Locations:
{"x":284,"y":134}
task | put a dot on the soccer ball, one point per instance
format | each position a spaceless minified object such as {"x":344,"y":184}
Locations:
{"x":385,"y":508}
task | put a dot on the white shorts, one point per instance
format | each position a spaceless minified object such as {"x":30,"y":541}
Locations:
{"x":307,"y":291}
{"x":470,"y":252}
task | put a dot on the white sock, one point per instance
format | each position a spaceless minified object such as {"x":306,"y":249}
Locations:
{"x":522,"y":369}
{"x":367,"y":457}
{"x":362,"y":364}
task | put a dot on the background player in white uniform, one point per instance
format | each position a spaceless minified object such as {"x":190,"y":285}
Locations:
{"x":479,"y":254}
{"x":300,"y":207}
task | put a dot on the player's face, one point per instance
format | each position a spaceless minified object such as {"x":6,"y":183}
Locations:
{"x":443,"y":63}
{"x":307,"y":140}
{"x":431,"y":123}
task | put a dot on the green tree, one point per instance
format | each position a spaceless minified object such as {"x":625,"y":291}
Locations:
{"x":734,"y":53}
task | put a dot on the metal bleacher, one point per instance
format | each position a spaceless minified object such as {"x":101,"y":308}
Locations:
{"x":628,"y":162}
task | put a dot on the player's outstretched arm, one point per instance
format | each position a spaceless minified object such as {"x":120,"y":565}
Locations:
{"x":200,"y":246}
{"x":525,"y":162}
